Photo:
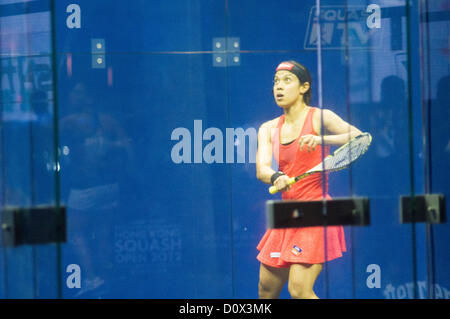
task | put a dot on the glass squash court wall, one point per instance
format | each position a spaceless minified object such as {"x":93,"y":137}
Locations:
{"x":141,"y":119}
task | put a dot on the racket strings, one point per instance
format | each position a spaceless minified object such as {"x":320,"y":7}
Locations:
{"x":349,"y":153}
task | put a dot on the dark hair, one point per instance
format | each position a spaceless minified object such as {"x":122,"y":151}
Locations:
{"x":304,"y":76}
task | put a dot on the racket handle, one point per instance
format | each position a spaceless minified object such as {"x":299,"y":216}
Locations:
{"x":274,"y":190}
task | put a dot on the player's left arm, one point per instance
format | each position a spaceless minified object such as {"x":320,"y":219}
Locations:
{"x":336,"y":131}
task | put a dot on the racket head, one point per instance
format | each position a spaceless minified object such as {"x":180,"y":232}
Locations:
{"x":348,"y":153}
{"x":340,"y":159}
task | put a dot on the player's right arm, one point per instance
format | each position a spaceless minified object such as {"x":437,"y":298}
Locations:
{"x":264,"y":169}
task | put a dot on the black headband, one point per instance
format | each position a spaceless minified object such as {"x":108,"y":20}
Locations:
{"x":296,"y":68}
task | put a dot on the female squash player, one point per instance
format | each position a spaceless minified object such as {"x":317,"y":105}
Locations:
{"x":296,"y":255}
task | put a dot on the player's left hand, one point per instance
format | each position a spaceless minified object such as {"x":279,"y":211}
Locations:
{"x":309,"y":141}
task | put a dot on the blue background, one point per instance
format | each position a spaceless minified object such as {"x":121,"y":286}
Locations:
{"x":142,"y":226}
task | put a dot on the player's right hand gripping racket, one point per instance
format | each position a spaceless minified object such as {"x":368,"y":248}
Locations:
{"x":340,"y":159}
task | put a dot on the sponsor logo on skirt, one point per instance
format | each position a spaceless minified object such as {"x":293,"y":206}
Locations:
{"x":296,"y":250}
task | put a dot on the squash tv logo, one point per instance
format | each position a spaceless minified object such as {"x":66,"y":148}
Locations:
{"x":355,"y":26}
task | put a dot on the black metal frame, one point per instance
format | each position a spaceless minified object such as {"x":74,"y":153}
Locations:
{"x":339,"y":211}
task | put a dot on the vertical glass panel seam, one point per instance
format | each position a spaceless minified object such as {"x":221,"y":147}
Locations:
{"x":55,"y":137}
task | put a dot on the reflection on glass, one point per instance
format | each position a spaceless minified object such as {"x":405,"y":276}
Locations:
{"x":96,"y":154}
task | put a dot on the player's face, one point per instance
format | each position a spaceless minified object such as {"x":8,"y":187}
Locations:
{"x":286,"y":88}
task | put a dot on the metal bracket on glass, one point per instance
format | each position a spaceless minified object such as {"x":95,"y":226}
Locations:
{"x":428,"y":208}
{"x":226,"y":52}
{"x":338,"y":211}
{"x":98,"y":53}
{"x":35,"y":225}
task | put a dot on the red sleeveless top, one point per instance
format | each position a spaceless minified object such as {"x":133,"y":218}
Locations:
{"x":293,"y":162}
{"x":285,"y":246}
